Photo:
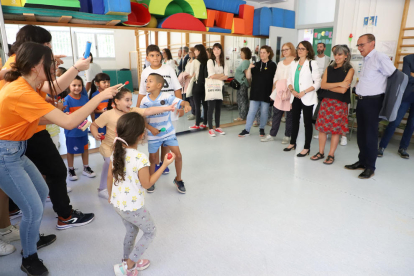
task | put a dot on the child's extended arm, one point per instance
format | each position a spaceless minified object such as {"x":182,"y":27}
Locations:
{"x":95,"y":131}
{"x":109,"y":181}
{"x":186,"y":105}
{"x":153,"y":110}
{"x":144,"y":174}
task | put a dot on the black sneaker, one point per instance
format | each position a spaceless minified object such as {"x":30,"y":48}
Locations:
{"x":76,"y":219}
{"x":33,"y":266}
{"x":180,"y":186}
{"x":44,"y":241}
{"x":403,"y":153}
{"x":244,"y":133}
{"x":151,"y":189}
{"x":380,"y":152}
{"x":88,"y":172}
{"x":262,"y":133}
{"x":72,"y":175}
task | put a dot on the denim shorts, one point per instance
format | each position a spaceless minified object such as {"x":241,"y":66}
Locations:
{"x":153,"y":146}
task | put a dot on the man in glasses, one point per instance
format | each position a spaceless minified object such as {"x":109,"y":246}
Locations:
{"x":377,"y":67}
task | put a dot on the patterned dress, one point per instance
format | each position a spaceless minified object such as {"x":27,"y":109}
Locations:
{"x":333,"y":112}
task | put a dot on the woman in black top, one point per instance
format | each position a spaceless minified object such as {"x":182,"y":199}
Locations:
{"x":333,"y":113}
{"x":262,"y":74}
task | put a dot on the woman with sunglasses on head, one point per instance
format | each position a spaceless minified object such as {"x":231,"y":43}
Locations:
{"x":336,"y":93}
{"x":304,"y":79}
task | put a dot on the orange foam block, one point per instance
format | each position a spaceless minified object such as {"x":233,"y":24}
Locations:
{"x":225,"y":20}
{"x":238,"y":26}
{"x":246,"y":12}
{"x":212,"y":16}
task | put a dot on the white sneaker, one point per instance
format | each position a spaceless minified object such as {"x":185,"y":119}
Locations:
{"x":212,"y":133}
{"x":220,"y":131}
{"x":267,"y":138}
{"x":283,"y":120}
{"x":316,"y":137}
{"x":88,"y":172}
{"x":344,"y":141}
{"x":286,"y":140}
{"x":72,"y":175}
{"x":15,"y":214}
{"x":6,"y":249}
{"x":103,"y":193}
{"x":9,"y":234}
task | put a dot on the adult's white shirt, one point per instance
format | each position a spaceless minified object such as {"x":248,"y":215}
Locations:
{"x":323,"y":62}
{"x":306,"y":80}
{"x":94,"y":69}
{"x":377,"y":67}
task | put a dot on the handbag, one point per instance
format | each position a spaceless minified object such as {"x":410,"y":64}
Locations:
{"x":214,"y":90}
{"x":235,"y":84}
{"x":189,"y":91}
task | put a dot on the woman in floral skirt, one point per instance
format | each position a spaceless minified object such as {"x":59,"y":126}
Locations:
{"x":333,"y":113}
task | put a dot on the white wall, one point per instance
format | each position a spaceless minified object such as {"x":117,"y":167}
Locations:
{"x":288,"y":5}
{"x":352,"y":13}
{"x":315,"y":11}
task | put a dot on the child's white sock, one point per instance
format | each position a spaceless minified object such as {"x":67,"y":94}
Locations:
{"x":85,"y":166}
{"x":71,"y":168}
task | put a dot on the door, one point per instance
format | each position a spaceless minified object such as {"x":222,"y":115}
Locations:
{"x":278,"y":36}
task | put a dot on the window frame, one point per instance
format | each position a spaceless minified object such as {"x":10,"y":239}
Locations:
{"x":94,"y":44}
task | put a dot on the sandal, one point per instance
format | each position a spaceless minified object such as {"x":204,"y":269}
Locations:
{"x":318,"y":156}
{"x":238,"y":120}
{"x":330,"y":158}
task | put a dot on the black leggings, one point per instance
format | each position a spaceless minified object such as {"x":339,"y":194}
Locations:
{"x":43,"y":153}
{"x":199,"y":95}
{"x":214,"y":105}
{"x":297,"y":107}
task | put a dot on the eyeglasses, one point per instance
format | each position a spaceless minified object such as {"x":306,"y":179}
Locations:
{"x":301,"y":49}
{"x":284,"y":50}
{"x":361,"y":45}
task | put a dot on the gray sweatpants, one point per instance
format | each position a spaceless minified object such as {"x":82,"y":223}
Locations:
{"x":133,"y":221}
{"x":277,"y":117}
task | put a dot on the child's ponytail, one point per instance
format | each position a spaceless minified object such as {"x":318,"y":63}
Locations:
{"x":93,"y":89}
{"x":129,"y":128}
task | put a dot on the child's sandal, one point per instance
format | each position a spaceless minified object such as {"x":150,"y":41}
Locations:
{"x":330,"y":158}
{"x":318,"y":156}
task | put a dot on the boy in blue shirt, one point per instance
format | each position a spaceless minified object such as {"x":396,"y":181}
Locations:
{"x":165,"y":136}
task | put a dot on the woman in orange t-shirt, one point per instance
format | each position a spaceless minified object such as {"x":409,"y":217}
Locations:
{"x":40,"y":148}
{"x":21,"y":110}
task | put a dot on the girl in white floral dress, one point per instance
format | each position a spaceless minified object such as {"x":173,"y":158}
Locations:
{"x":128,"y":178}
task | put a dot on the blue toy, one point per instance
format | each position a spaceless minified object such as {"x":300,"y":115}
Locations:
{"x":88,"y":49}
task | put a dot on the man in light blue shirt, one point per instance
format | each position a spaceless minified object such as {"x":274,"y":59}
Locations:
{"x":376,"y":69}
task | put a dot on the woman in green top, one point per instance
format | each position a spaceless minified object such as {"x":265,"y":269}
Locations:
{"x":240,"y":76}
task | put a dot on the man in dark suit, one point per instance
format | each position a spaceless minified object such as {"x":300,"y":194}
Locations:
{"x":183,"y":61}
{"x":406,"y":104}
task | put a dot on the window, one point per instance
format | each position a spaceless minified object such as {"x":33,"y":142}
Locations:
{"x":106,"y":45}
{"x":11,"y":32}
{"x":103,"y":44}
{"x":81,"y":39}
{"x":61,"y":43}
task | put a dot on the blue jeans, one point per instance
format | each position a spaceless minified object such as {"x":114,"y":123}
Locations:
{"x":24,"y":184}
{"x":264,"y":110}
{"x":408,"y":132}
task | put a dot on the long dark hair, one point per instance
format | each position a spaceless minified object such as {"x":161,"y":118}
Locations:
{"x":213,"y":57}
{"x":30,"y":33}
{"x":309,"y":48}
{"x":118,"y":96}
{"x":168,"y":52}
{"x":202,"y":56}
{"x":98,"y":78}
{"x":28,"y":56}
{"x":129,"y":127}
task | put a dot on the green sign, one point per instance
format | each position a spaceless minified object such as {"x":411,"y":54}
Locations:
{"x":323,"y":35}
